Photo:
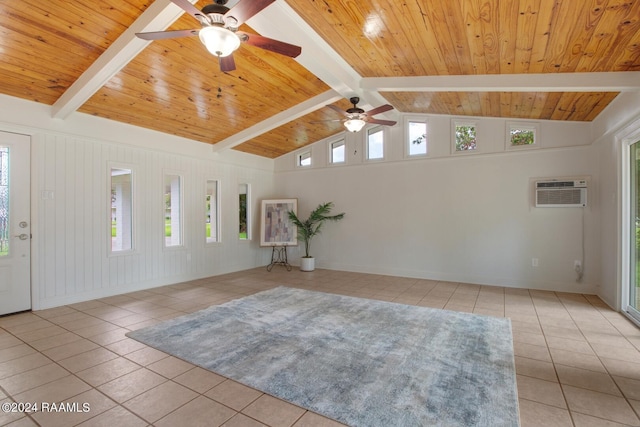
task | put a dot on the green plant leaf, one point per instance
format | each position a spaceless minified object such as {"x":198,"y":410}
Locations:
{"x":312,"y":226}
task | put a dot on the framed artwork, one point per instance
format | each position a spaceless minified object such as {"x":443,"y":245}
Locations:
{"x":275,"y":227}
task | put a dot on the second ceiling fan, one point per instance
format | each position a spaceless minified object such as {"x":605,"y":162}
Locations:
{"x":355,"y":118}
{"x":219,"y":32}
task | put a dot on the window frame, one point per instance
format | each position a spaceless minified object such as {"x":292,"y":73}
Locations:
{"x":534,"y":126}
{"x":181,"y":179}
{"x":385,"y":137}
{"x":407,"y":143}
{"x":218,"y":217}
{"x":132,"y":169}
{"x":330,"y":145}
{"x":298,"y":158}
{"x":248,"y":212}
{"x":463,"y":122}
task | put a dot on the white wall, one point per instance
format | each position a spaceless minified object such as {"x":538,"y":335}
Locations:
{"x":461,"y":218}
{"x":70,"y":192}
{"x":466,"y":218}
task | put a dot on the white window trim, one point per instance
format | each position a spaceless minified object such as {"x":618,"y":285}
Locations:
{"x":330,"y":143}
{"x":534,"y":126}
{"x":249,"y":213}
{"x":407,"y":143}
{"x":385,"y":139}
{"x":134,"y":210}
{"x":299,"y":153}
{"x":182,"y":244}
{"x":463,"y":122}
{"x":218,"y":216}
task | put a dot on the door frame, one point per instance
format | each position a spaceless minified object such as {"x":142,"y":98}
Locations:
{"x":31,"y":201}
{"x":629,"y":138}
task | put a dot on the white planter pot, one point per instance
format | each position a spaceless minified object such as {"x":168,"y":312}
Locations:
{"x":307,"y":264}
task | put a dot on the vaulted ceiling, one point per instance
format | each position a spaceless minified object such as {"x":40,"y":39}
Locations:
{"x":527,"y":59}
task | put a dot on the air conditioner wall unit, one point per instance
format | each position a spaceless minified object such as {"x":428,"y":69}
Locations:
{"x":555,"y":193}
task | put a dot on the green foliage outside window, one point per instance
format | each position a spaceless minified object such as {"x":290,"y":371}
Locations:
{"x":243,"y":216}
{"x":522,"y":137}
{"x":465,"y":138}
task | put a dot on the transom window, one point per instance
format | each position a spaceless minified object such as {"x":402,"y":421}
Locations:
{"x":338,"y":152}
{"x":304,"y":159}
{"x":464,"y":137}
{"x":375,"y":144}
{"x":416,"y":141}
{"x":522,"y":135}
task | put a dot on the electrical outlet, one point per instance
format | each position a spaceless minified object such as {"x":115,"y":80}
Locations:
{"x":534,"y":262}
{"x":577,"y":265}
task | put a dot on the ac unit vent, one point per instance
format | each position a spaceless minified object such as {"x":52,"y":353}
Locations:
{"x":555,"y":193}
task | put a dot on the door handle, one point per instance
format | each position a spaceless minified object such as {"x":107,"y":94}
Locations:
{"x":22,"y":236}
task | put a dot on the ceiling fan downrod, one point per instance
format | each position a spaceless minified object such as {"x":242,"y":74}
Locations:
{"x":355,"y":110}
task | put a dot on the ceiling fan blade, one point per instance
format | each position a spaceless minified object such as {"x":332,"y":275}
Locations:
{"x":380,"y":109}
{"x":227,"y":63}
{"x":188,"y":7}
{"x":245,"y":9}
{"x":270,"y":44}
{"x":381,"y":122}
{"x":337,"y":109}
{"x":161,"y":35}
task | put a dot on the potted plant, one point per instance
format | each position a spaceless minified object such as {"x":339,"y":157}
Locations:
{"x":312,"y":227}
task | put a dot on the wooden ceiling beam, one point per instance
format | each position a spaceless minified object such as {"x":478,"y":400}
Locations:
{"x":158,"y":16}
{"x":277,"y":120}
{"x":281,"y":22}
{"x":621,"y":81}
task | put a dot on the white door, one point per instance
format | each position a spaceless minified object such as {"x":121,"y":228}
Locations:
{"x":15,"y":223}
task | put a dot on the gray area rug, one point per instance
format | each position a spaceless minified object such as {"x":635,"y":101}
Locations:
{"x":362,"y":362}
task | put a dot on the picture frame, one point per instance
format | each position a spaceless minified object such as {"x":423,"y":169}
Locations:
{"x":275,"y":227}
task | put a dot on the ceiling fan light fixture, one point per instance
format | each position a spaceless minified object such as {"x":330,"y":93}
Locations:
{"x":354,"y":125}
{"x":219,"y":41}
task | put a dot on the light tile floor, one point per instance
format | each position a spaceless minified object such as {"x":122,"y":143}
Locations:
{"x":577,"y":361}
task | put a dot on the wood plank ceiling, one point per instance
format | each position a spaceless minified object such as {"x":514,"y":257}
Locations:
{"x":56,"y":52}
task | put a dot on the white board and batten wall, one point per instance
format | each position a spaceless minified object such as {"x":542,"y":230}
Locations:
{"x":70,"y":207}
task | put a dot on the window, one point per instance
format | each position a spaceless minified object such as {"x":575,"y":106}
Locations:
{"x":416,"y":137}
{"x":522,"y":135}
{"x":375,"y":144}
{"x":631,"y":281}
{"x":338,"y":151}
{"x":121,"y":229}
{"x":212,"y":217}
{"x":4,"y":201}
{"x":464,"y":137}
{"x":173,"y":210}
{"x":244,"y":210}
{"x":304,"y":159}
